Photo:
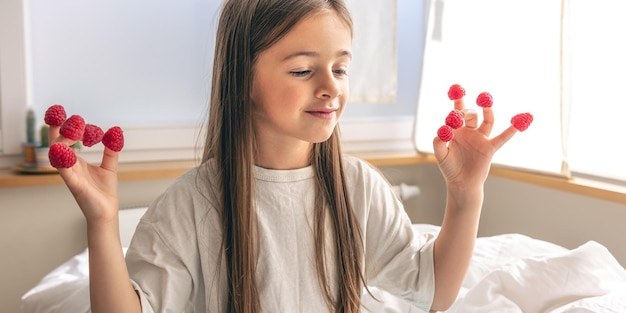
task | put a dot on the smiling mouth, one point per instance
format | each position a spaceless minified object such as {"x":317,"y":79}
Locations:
{"x":324,"y":114}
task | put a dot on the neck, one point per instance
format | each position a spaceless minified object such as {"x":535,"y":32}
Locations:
{"x":281,"y":156}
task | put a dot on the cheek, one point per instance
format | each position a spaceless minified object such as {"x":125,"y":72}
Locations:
{"x":345,"y":93}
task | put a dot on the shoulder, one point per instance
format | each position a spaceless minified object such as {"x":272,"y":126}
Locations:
{"x":359,"y":172}
{"x":190,"y":194}
{"x":355,"y":165}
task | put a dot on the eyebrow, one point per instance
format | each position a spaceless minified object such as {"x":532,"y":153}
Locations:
{"x":315,"y":54}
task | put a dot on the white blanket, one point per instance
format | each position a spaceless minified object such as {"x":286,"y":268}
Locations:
{"x":586,"y":279}
{"x":514,"y":273}
{"x":509,"y":274}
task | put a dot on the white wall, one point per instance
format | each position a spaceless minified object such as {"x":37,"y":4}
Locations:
{"x":565,"y":218}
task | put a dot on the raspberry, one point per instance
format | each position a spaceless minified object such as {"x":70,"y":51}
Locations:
{"x":114,"y":139}
{"x":61,"y":155}
{"x":484,"y":100}
{"x":92,"y":135}
{"x":73,"y":127}
{"x":456,"y":92}
{"x":522,"y":121}
{"x":55,"y":115}
{"x":445,"y":133}
{"x":455,"y":119}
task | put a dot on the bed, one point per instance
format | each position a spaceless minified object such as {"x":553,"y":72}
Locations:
{"x":509,"y":273}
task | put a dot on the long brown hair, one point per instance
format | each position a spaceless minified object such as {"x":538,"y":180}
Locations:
{"x":246,"y":28}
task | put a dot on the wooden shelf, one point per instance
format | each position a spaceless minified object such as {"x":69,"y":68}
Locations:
{"x":172,"y":169}
{"x":126,"y":172}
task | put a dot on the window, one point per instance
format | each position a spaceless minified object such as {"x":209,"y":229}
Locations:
{"x":146,"y":67}
{"x":558,"y":60}
{"x":597,"y":66}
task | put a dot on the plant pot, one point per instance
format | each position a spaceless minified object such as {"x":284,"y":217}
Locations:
{"x":43,"y":161}
{"x":29,"y":158}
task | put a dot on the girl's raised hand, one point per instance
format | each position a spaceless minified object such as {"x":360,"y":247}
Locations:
{"x":93,"y":187}
{"x":466,"y":159}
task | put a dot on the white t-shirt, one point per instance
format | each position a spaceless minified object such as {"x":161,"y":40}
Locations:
{"x":174,"y":257}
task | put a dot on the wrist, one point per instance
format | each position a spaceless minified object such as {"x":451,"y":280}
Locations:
{"x":102,"y":229}
{"x":465,"y":197}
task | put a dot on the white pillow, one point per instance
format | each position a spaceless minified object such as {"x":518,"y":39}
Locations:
{"x":65,"y":289}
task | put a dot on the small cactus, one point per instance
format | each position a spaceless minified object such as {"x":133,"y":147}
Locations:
{"x":45,"y":142}
{"x":30,"y":126}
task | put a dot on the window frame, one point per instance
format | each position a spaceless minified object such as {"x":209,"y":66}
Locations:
{"x":12,"y":77}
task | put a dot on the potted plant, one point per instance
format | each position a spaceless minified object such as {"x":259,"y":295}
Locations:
{"x":42,"y":150}
{"x":29,"y":146}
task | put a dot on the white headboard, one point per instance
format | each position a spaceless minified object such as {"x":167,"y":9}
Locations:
{"x":129,"y":218}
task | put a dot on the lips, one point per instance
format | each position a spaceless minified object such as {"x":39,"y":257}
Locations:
{"x":322,"y":111}
{"x":325,"y":113}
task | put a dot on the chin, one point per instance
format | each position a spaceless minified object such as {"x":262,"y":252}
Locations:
{"x":319,"y":138}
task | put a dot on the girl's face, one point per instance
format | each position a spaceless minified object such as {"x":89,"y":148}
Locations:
{"x":300,"y":84}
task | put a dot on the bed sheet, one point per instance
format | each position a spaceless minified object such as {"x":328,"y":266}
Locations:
{"x":509,"y":273}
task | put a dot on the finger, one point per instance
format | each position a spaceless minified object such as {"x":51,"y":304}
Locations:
{"x":440,"y":148}
{"x":53,"y":133}
{"x":471,"y":118}
{"x":110,"y":160}
{"x":459,"y":104}
{"x":488,"y":120}
{"x":70,"y":175}
{"x":501,"y":139}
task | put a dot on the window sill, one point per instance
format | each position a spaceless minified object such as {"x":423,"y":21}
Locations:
{"x":173,"y":169}
{"x":585,"y":187}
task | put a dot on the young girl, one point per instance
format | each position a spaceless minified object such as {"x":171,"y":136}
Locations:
{"x":276,"y":219}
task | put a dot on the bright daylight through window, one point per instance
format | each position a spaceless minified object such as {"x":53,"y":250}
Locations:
{"x":558,"y":60}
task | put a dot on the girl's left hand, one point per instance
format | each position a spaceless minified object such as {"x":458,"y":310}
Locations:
{"x":466,"y":159}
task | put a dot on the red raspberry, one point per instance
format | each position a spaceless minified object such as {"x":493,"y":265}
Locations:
{"x":445,"y":133}
{"x":61,"y":155}
{"x":55,"y":115}
{"x":114,"y":139}
{"x":522,"y":121}
{"x":92,"y":135}
{"x":456,"y":92}
{"x":455,"y":119}
{"x":73,"y":128}
{"x":484,"y":100}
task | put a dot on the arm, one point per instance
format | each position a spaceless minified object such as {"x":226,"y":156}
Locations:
{"x":464,"y":163}
{"x":95,"y":191}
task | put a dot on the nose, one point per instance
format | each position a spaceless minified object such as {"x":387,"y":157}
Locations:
{"x":329,"y":86}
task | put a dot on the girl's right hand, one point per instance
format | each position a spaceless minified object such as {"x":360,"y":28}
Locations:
{"x":93,"y":187}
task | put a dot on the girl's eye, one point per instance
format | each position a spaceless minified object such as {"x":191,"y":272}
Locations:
{"x":300,"y":73}
{"x":341,"y":72}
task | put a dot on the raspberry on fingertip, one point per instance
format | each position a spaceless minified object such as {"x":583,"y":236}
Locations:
{"x":61,"y":155}
{"x":114,"y":139}
{"x":55,"y":115}
{"x":456,"y":92}
{"x":93,"y":134}
{"x":73,"y":128}
{"x":455,"y":119}
{"x":484,"y":100}
{"x":445,"y":133}
{"x":522,"y":121}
